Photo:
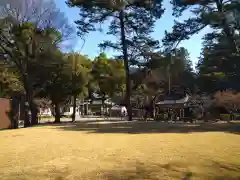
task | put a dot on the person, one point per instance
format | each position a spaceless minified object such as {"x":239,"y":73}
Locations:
{"x":123,"y":111}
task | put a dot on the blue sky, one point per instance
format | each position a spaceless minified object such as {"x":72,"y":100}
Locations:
{"x":165,"y":23}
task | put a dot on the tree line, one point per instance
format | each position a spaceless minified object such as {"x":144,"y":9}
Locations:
{"x":35,"y":38}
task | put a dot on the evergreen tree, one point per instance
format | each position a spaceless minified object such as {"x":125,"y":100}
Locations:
{"x":132,"y":24}
{"x":213,"y":13}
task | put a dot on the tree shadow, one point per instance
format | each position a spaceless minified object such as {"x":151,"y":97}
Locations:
{"x":51,"y":173}
{"x":137,"y":127}
{"x":137,"y":170}
{"x":173,"y":170}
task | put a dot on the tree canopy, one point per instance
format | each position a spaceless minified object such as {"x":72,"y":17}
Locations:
{"x":35,"y":36}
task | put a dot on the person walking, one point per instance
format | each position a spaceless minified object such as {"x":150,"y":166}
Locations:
{"x":123,"y":112}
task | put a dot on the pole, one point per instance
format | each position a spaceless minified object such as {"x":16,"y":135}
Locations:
{"x":74,"y":75}
{"x":126,"y":65}
{"x":169,"y":80}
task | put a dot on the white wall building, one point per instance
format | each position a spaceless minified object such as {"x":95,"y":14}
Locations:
{"x":68,"y":111}
{"x":45,"y":112}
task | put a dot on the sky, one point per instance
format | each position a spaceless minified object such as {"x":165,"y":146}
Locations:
{"x":90,"y":48}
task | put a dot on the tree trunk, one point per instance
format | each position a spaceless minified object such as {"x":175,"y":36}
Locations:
{"x":33,"y":110}
{"x":27,"y":122}
{"x":154,"y":107}
{"x":14,"y":112}
{"x":57,"y":113}
{"x":74,"y":90}
{"x":126,"y":65}
{"x":34,"y":115}
{"x":74,"y":107}
{"x":30,"y":119}
{"x":103,"y":106}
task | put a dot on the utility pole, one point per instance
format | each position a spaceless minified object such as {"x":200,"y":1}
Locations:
{"x":74,"y":76}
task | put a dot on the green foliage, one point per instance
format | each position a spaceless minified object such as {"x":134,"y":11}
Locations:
{"x":225,"y":117}
{"x":35,"y":63}
{"x":109,"y":75}
{"x":139,"y":19}
{"x":207,"y":13}
{"x":9,"y":82}
{"x":51,"y":77}
{"x":79,"y":68}
{"x":25,"y":44}
{"x":218,"y":65}
{"x":154,"y":77}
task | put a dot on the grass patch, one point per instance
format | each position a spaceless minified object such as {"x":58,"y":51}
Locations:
{"x":121,"y":151}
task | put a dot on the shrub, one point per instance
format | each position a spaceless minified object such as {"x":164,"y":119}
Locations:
{"x":225,"y":117}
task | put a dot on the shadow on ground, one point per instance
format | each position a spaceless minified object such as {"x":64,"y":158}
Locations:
{"x":137,"y":171}
{"x":174,"y":170}
{"x":137,"y":127}
{"x":40,"y":174}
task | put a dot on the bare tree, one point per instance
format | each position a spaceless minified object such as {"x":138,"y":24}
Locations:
{"x":228,"y":99}
{"x":44,"y":14}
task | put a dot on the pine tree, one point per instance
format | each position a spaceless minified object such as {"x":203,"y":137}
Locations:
{"x":213,"y":13}
{"x":131,"y":23}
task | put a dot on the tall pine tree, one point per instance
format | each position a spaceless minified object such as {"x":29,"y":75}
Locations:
{"x":214,"y":13}
{"x":132,"y":23}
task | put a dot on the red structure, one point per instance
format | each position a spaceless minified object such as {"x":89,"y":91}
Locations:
{"x":11,"y":112}
{"x":5,"y":109}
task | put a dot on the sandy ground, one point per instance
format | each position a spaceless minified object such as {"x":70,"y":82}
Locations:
{"x":119,"y":150}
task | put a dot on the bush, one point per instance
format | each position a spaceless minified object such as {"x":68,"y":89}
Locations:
{"x":237,"y":117}
{"x":225,"y":117}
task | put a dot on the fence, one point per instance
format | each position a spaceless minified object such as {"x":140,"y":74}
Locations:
{"x":5,"y":109}
{"x":11,"y":111}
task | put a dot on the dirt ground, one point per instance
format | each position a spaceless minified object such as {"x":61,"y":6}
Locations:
{"x":121,"y":151}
